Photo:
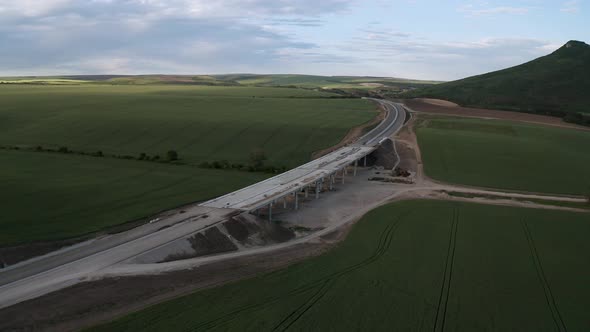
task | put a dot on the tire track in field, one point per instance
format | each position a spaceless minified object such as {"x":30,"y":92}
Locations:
{"x":445,"y":289}
{"x":302,"y":309}
{"x":557,"y":318}
{"x":384,"y":244}
{"x":382,"y":247}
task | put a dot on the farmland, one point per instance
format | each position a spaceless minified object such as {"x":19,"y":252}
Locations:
{"x":50,"y":196}
{"x":201,"y":123}
{"x":506,"y":155}
{"x":415,"y":265}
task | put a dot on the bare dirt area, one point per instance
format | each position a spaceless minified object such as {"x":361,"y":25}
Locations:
{"x":93,"y":302}
{"x":443,"y":107}
{"x":439,"y":102}
{"x":353,"y":134}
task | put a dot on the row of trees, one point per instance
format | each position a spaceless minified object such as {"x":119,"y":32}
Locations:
{"x":256,"y":162}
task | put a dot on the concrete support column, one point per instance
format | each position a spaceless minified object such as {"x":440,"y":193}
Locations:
{"x":307,"y":192}
{"x":343,"y":174}
{"x":356,"y":162}
{"x":317,"y":190}
{"x":331,"y":182}
{"x":285,"y":202}
{"x":365,"y":161}
{"x":270,"y":212}
{"x":296,"y":200}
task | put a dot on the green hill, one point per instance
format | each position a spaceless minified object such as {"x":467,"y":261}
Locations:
{"x":556,"y":84}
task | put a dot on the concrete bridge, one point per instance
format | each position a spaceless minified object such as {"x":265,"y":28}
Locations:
{"x":314,"y":177}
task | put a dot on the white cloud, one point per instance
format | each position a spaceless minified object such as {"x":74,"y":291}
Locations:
{"x":484,"y":10}
{"x":30,"y":8}
{"x":571,"y":6}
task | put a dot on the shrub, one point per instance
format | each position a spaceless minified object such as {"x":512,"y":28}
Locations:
{"x":257,"y":158}
{"x":172,"y":155}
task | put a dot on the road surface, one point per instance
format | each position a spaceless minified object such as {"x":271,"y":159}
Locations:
{"x":266,"y":192}
{"x":69,"y":266}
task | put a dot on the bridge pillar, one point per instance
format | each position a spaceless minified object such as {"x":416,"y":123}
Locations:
{"x":270,"y":212}
{"x":343,"y":174}
{"x":296,"y":200}
{"x":365,"y":161}
{"x":356,"y":162}
{"x":285,"y":202}
{"x":317,"y":190}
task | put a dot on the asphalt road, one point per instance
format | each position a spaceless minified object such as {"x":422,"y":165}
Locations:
{"x":265,"y":192}
{"x":394,"y":120}
{"x":66,"y":267}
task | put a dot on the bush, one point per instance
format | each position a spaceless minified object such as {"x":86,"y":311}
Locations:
{"x":172,"y":155}
{"x":63,"y":149}
{"x":257,"y":158}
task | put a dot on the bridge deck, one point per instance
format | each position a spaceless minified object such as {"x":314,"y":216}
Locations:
{"x":262,"y":193}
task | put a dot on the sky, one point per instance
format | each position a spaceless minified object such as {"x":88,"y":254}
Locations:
{"x":420,"y":39}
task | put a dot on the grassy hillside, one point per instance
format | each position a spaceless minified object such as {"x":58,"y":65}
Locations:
{"x":556,"y":84}
{"x":410,"y":266}
{"x":507,"y":155}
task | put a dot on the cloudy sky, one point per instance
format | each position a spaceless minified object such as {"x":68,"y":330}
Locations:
{"x":425,"y":39}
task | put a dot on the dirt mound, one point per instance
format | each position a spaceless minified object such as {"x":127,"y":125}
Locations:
{"x":237,"y":233}
{"x":251,"y":231}
{"x":384,"y":156}
{"x":438,"y":102}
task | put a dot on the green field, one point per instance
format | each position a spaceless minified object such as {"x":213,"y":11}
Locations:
{"x":507,"y":155}
{"x":48,"y":196}
{"x":348,"y":83}
{"x":201,"y":123}
{"x":410,"y":266}
{"x":51,"y":196}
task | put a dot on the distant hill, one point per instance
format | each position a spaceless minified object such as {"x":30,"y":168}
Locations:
{"x":359,"y":86}
{"x":557,"y":84}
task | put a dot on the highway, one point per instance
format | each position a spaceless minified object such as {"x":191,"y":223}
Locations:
{"x":72,"y":265}
{"x":289,"y":183}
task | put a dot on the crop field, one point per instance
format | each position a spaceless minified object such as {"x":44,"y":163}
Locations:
{"x":51,"y":196}
{"x":416,"y":265}
{"x":203,"y":124}
{"x":506,"y":155}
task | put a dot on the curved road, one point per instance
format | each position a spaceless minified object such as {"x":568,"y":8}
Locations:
{"x":69,"y":266}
